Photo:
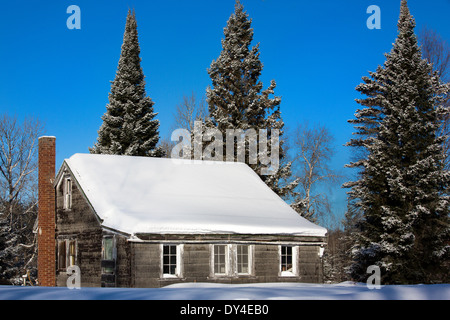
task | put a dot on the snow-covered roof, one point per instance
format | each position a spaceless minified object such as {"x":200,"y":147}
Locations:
{"x":172,"y":196}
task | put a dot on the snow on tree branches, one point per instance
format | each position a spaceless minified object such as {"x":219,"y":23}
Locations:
{"x":402,"y":186}
{"x":129,"y":125}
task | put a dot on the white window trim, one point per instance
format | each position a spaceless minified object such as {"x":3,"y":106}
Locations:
{"x":250,"y":260}
{"x":179,"y":269}
{"x":67,"y":193}
{"x":295,"y":258}
{"x":227,"y":261}
{"x":231,"y":260}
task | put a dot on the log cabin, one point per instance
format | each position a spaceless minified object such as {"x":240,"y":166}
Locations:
{"x":149,"y":222}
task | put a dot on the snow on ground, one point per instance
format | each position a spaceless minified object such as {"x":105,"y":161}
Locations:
{"x":260,"y":291}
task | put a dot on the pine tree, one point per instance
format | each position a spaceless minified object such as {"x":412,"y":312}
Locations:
{"x":402,"y":184}
{"x":237,"y":99}
{"x":129,"y":125}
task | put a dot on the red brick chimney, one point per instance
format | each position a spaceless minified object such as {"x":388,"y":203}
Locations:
{"x":46,"y":213}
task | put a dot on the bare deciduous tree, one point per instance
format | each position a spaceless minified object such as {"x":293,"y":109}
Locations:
{"x":18,"y":160}
{"x":189,"y":111}
{"x":18,"y":193}
{"x":437,"y":51}
{"x":313,"y":151}
{"x":186,"y":114}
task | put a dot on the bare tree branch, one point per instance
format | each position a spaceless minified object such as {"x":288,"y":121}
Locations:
{"x":313,"y":151}
{"x":18,"y":160}
{"x":189,"y":111}
{"x":437,"y":51}
{"x":18,"y":195}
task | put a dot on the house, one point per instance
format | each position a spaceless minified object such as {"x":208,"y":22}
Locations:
{"x":150,"y":222}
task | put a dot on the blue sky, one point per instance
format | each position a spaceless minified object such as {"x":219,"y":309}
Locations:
{"x":316,"y":51}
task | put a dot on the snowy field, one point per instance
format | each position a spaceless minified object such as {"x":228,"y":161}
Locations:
{"x":262,"y":291}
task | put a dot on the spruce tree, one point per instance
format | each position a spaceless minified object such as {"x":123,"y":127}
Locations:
{"x":401,"y":191}
{"x":237,"y":100}
{"x":129,"y":125}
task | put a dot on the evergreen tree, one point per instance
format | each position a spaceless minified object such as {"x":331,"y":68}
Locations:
{"x":237,"y":99}
{"x":129,"y":125}
{"x":402,"y":184}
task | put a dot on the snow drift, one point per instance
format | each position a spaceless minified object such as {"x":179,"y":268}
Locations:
{"x":210,"y":291}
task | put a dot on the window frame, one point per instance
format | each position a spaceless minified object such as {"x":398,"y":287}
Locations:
{"x":67,"y":253}
{"x":226,"y":262}
{"x":249,"y":260}
{"x":67,"y":193}
{"x":62,"y":262}
{"x":294,"y":261}
{"x":231,"y":260}
{"x":178,"y":263}
{"x":72,"y":254}
{"x":113,"y":253}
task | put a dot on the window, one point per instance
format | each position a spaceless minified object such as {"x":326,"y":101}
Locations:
{"x":231,"y":260}
{"x":243,"y":260}
{"x":72,"y":253}
{"x":67,"y":253}
{"x":171,"y":260}
{"x":288,"y":261}
{"x":286,"y":258}
{"x":220,"y":259}
{"x":67,"y":193}
{"x":62,"y":255}
{"x":108,"y":254}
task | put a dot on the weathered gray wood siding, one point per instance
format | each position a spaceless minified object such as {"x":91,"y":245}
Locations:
{"x":123,"y":262}
{"x":146,"y":265}
{"x":81,"y":224}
